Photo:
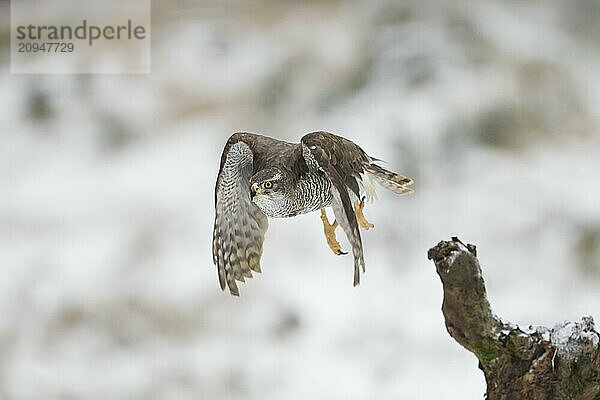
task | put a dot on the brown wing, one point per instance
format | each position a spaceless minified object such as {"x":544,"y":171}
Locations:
{"x":342,"y":161}
{"x":240,"y":226}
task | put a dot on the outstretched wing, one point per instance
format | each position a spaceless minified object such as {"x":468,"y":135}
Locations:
{"x":342,"y":161}
{"x":240,"y":226}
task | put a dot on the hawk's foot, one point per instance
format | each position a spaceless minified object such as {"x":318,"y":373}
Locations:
{"x":329,"y":230}
{"x":360,"y":217}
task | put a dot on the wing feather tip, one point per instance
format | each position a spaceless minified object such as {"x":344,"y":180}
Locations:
{"x":256,"y":269}
{"x":233,"y":289}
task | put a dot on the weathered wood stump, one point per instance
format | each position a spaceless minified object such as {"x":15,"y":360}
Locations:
{"x":534,"y":363}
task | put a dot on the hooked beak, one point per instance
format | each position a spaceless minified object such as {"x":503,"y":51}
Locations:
{"x":255,"y":190}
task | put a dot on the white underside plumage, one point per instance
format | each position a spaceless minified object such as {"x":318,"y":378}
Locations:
{"x":367,"y":186}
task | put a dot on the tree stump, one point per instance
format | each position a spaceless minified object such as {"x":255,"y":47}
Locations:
{"x":534,"y":363}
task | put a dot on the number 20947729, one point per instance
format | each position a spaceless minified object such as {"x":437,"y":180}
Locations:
{"x":45,"y":47}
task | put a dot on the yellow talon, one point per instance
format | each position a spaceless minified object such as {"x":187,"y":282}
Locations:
{"x":360,"y":217}
{"x":329,"y":230}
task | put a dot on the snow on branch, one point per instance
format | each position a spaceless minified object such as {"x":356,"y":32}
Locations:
{"x":534,"y":363}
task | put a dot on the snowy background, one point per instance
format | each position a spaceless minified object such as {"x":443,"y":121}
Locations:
{"x":107,"y":288}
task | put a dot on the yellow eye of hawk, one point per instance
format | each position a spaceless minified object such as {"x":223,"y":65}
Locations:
{"x":268,"y":185}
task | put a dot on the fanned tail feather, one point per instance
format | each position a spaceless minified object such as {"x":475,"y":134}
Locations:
{"x":392,"y":181}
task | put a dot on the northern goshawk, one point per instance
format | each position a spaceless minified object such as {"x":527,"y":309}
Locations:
{"x":262,"y":177}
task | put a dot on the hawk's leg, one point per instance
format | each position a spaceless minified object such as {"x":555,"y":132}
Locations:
{"x":329,"y":230}
{"x":360,"y":218}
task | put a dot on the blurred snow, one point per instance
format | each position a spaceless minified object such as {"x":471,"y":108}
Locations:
{"x":107,"y":288}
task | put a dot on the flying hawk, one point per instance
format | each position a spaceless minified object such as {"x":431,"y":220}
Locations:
{"x":262,"y":177}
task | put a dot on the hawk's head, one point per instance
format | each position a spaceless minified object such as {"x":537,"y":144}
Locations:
{"x":267,"y":190}
{"x":267,"y":182}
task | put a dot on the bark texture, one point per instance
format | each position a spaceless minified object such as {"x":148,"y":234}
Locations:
{"x":534,"y":363}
